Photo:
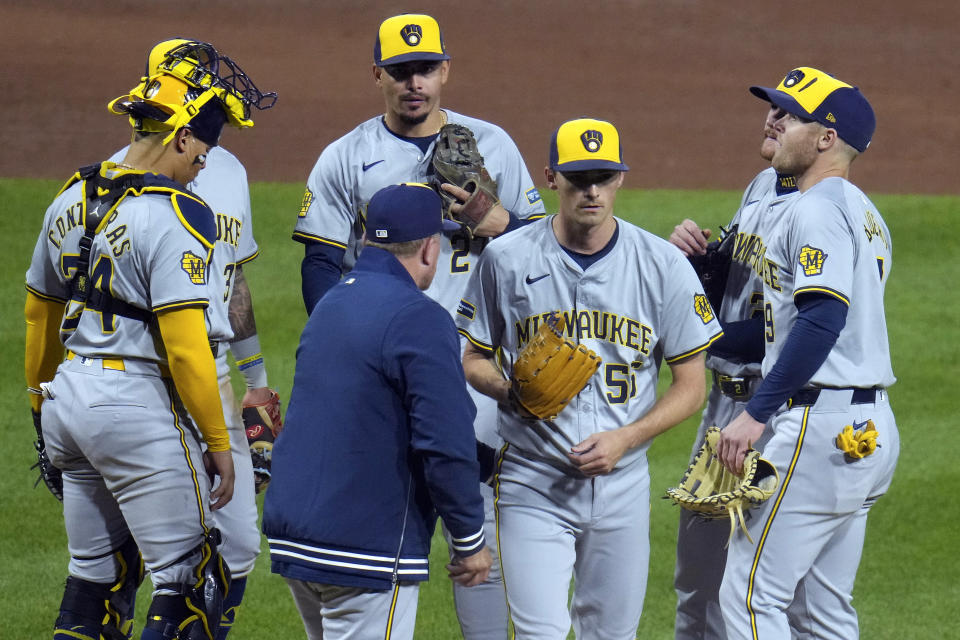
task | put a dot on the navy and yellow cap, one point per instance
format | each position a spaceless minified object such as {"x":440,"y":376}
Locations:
{"x":405,"y":212}
{"x":584,"y":144}
{"x":408,"y":37}
{"x":813,"y":94}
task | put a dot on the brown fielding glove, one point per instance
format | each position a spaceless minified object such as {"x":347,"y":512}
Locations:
{"x":456,"y":160}
{"x":709,"y":489}
{"x":551,"y":370}
{"x":263,"y":424}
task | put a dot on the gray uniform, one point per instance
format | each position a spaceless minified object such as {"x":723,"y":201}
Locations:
{"x":223,"y":185}
{"x":347,"y":174}
{"x":830,"y":240}
{"x":701,"y":543}
{"x":113,"y":422}
{"x":637,"y":306}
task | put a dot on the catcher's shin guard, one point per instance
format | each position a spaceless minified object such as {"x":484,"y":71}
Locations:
{"x":193,"y":612}
{"x":102,"y":611}
{"x":230,"y":605}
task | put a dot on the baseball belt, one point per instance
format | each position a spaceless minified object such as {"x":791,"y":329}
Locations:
{"x":118,"y":364}
{"x":737,"y":388}
{"x":808,"y":397}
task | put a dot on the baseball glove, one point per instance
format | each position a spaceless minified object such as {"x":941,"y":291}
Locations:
{"x":709,"y":489}
{"x":51,"y":476}
{"x":456,"y":160}
{"x":714,"y":266}
{"x":551,"y":370}
{"x":263,"y":424}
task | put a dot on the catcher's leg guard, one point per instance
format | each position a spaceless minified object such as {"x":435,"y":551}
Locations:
{"x":230,"y":605}
{"x":193,"y":611}
{"x":102,"y":611}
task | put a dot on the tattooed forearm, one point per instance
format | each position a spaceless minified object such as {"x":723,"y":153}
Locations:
{"x":241,"y":308}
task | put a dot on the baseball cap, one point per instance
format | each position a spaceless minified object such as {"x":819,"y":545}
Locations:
{"x":584,"y":144}
{"x":408,"y":37}
{"x":813,"y":94}
{"x":405,"y":212}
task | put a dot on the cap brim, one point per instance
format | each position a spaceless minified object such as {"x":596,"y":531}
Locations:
{"x":450,"y":225}
{"x":782,"y":100}
{"x":413,"y":57}
{"x":588,"y":165}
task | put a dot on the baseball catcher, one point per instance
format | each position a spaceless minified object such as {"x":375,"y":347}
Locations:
{"x":550,"y":371}
{"x":709,"y":489}
{"x":456,"y":160}
{"x":713,"y":267}
{"x":263,"y":424}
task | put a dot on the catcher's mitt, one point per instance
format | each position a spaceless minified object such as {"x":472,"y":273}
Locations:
{"x":263,"y":424}
{"x":551,"y":370}
{"x":709,"y":489}
{"x":51,"y":476}
{"x":456,"y":160}
{"x":714,"y":266}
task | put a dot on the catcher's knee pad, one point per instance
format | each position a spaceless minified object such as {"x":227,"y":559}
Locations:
{"x":105,"y":610}
{"x":193,"y":610}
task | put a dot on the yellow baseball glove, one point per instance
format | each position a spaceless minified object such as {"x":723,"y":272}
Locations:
{"x":551,"y":370}
{"x":709,"y":489}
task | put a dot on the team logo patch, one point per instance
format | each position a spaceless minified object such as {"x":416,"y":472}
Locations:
{"x":793,"y":78}
{"x":532,"y":195}
{"x":412,"y":34}
{"x":592,"y":140}
{"x":305,"y":203}
{"x":466,"y":310}
{"x":702,"y":307}
{"x":381,"y":233}
{"x":811,"y":260}
{"x":195,"y":267}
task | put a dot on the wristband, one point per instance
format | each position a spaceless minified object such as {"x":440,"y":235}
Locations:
{"x":249,"y":360}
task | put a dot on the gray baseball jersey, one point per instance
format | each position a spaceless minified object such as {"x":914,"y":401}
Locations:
{"x":637,"y":306}
{"x":831,"y":240}
{"x":353,"y":168}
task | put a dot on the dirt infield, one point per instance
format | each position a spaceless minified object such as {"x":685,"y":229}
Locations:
{"x":671,"y":74}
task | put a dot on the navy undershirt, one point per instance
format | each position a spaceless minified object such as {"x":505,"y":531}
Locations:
{"x":585,"y":260}
{"x":820,"y":319}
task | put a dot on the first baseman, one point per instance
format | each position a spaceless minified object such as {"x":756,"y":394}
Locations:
{"x":121,"y":271}
{"x":223,"y":186}
{"x":832,"y":434}
{"x":701,"y":542}
{"x":572,"y":494}
{"x":410,"y":67}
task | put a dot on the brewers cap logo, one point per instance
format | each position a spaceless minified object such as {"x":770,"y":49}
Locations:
{"x":793,"y":78}
{"x":702,"y":307}
{"x":811,"y":260}
{"x":195,"y":267}
{"x":305,"y":203}
{"x":412,"y":34}
{"x":592,"y":140}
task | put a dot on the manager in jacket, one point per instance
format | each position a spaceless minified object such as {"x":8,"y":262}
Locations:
{"x":378,"y":439}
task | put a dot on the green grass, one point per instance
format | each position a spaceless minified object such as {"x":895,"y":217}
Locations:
{"x":908,"y":574}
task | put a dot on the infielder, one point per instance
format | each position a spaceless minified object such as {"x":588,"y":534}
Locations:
{"x":120,"y":271}
{"x":572,"y":495}
{"x":410,"y":67}
{"x":701,"y":542}
{"x":223,"y":186}
{"x":832,"y":433}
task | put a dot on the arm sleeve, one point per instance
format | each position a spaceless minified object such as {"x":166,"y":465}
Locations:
{"x":319,"y":271}
{"x":742,"y":341}
{"x":426,"y":351}
{"x":820,"y":320}
{"x":194,"y":373}
{"x":43,"y":349}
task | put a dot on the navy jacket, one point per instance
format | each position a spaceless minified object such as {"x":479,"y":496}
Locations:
{"x":378,"y":437}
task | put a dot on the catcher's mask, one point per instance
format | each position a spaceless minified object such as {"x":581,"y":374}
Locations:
{"x":211,"y":80}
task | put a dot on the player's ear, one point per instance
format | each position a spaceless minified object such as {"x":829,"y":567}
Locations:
{"x":444,"y":71}
{"x":180,"y":140}
{"x":377,"y":72}
{"x":551,"y":178}
{"x":827,"y":139}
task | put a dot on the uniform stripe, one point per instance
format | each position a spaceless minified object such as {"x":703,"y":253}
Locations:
{"x":393,"y":609}
{"x":474,"y":341}
{"x":830,"y":292}
{"x":687,"y":354}
{"x":186,"y":450}
{"x":496,"y":522}
{"x":306,"y":238}
{"x":769,"y":522}
{"x":44,"y":296}
{"x":255,"y":254}
{"x":181,"y":304}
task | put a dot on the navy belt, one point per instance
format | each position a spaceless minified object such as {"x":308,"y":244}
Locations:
{"x":734,"y":387}
{"x":806,"y":397}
